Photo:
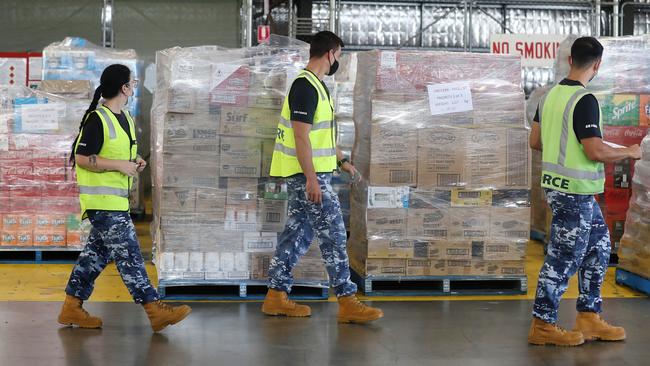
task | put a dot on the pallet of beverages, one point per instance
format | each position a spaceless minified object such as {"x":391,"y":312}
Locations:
{"x":217,"y":212}
{"x":442,"y":146}
{"x":39,"y":206}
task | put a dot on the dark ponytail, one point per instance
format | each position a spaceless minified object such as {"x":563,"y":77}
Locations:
{"x":113,"y":78}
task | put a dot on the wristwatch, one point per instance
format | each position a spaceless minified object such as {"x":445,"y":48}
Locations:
{"x":342,"y":161}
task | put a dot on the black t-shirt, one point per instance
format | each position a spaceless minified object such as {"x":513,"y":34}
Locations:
{"x":92,"y":136}
{"x":586,"y":115}
{"x":303,"y":100}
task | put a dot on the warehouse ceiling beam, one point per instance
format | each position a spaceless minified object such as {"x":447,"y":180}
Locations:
{"x":108,"y":33}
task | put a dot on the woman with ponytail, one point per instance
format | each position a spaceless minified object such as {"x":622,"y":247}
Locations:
{"x":105,"y":155}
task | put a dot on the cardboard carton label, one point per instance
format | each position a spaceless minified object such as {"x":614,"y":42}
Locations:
{"x":471,"y":198}
{"x":388,"y":197}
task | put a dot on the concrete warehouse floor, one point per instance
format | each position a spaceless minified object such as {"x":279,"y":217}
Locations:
{"x":460,"y":330}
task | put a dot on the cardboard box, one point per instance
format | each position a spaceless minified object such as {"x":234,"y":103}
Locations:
{"x":392,"y":152}
{"x":249,"y":122}
{"x":259,"y":265}
{"x":241,"y":218}
{"x":510,"y":223}
{"x":461,"y":267}
{"x":385,"y":267}
{"x":429,"y":199}
{"x":260,"y":242}
{"x":274,"y":189}
{"x":397,"y":248}
{"x":190,"y":136}
{"x":181,"y":99}
{"x":620,"y":109}
{"x":181,"y":261}
{"x":273,"y":215}
{"x":505,"y":250}
{"x":388,"y":197}
{"x":73,"y":89}
{"x":309,"y":269}
{"x":9,"y":238}
{"x":428,"y":223}
{"x":178,"y":200}
{"x":240,"y":157}
{"x":221,"y":241}
{"x":211,"y":200}
{"x":242,"y":191}
{"x":426,"y":267}
{"x":179,"y":171}
{"x":446,"y":250}
{"x":235,"y":265}
{"x":441,"y":157}
{"x":385,"y":223}
{"x":469,"y":223}
{"x":505,"y":268}
{"x":471,"y":198}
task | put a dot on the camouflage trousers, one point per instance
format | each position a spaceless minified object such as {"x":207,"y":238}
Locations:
{"x":579,"y":242}
{"x":306,"y":220}
{"x":112,"y":238}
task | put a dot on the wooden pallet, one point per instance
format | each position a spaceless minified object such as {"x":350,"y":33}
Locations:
{"x":39,"y":255}
{"x":440,"y":285}
{"x":633,"y":280}
{"x":234,"y":290}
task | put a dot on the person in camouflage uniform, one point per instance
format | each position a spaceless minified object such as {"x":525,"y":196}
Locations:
{"x":105,"y":166}
{"x":305,"y":217}
{"x":306,"y":155}
{"x":567,"y":128}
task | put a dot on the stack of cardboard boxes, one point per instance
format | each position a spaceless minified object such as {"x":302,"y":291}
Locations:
{"x":215,"y":115}
{"x":634,"y":253}
{"x":39,"y":205}
{"x":69,"y":63}
{"x":445,"y":193}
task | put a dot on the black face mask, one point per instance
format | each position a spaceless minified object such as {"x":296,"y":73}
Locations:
{"x":333,"y":67}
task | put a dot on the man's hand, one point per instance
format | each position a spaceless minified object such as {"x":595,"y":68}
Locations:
{"x":313,"y":191}
{"x":634,"y":152}
{"x":350,"y":169}
{"x":141,"y":164}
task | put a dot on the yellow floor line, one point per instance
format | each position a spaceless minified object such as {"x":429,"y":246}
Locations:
{"x":46,"y":282}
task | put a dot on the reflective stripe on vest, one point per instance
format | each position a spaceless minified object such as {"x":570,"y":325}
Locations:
{"x":104,"y":191}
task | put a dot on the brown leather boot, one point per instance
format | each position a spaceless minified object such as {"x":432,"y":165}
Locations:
{"x":542,"y":333}
{"x":351,"y":310}
{"x":73,"y":313}
{"x":593,"y":327}
{"x":161,"y":315}
{"x":278,"y":303}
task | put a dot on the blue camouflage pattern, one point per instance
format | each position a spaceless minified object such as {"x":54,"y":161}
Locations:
{"x":579,"y":242}
{"x":306,"y":219}
{"x":112,"y":238}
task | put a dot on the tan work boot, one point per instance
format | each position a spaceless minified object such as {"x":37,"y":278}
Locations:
{"x":278,"y":303}
{"x":73,"y":313}
{"x":593,"y":327}
{"x":351,"y":310}
{"x":542,"y":333}
{"x":161,"y":315}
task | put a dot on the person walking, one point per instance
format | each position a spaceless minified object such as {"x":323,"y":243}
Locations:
{"x":306,"y":155}
{"x":567,"y":128}
{"x":105,"y":154}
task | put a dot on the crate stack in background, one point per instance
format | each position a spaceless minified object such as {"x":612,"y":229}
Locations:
{"x":444,"y":194}
{"x":77,"y":59}
{"x":39,"y":203}
{"x":622,"y":88}
{"x":217,"y":213}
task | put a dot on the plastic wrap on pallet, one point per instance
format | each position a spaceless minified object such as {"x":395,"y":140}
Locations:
{"x":622,"y":88}
{"x":442,"y":145}
{"x":77,"y":59}
{"x":634,"y":252}
{"x":39,"y":204}
{"x":539,"y":208}
{"x":217,"y":212}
